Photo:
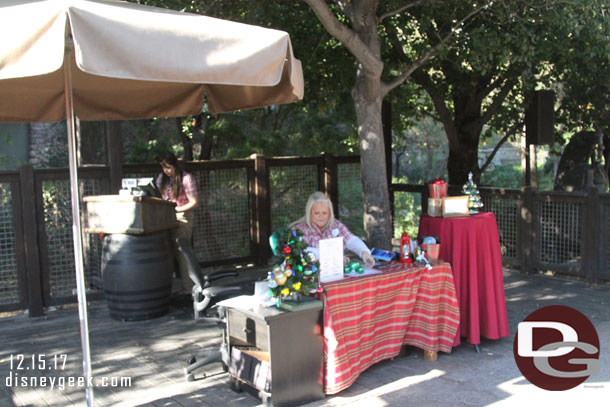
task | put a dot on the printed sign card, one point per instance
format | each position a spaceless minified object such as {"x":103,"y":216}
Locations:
{"x":331,"y":259}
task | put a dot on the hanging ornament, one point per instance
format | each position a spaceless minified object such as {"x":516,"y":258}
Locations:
{"x":280,"y":278}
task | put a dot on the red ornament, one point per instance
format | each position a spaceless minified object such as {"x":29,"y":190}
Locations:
{"x":286,"y":249}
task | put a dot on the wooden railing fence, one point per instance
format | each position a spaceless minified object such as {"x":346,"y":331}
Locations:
{"x":243,"y":201}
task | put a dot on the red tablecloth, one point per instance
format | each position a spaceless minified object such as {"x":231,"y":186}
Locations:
{"x":368,"y":318}
{"x":472,"y":245}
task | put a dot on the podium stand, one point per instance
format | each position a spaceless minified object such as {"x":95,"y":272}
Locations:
{"x":137,"y":253}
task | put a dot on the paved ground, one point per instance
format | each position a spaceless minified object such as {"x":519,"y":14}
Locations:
{"x":151,"y":354}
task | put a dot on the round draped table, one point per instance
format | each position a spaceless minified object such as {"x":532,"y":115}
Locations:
{"x":471,"y":245}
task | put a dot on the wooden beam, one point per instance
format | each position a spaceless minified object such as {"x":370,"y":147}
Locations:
{"x":30,"y":234}
{"x":114,"y":156}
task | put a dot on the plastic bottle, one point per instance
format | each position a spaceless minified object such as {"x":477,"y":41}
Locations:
{"x":405,"y":248}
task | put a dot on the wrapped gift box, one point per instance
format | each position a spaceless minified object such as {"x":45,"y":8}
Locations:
{"x":437,"y":191}
{"x":432,"y":251}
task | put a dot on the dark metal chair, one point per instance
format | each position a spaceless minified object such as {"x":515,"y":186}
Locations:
{"x":204,"y":293}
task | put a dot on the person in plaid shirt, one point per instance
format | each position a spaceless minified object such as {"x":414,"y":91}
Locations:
{"x":180,"y":187}
{"x":319,"y":223}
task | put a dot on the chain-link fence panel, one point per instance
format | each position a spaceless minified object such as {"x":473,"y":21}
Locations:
{"x":9,"y":287}
{"x":350,"y":197}
{"x":505,"y":210}
{"x":560,"y":232}
{"x":291,"y":186}
{"x":222,"y":218}
{"x":57,"y":213}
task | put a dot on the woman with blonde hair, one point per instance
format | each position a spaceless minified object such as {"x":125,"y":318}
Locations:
{"x":319,"y":223}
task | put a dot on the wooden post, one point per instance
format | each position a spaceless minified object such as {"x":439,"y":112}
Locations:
{"x":430,"y":355}
{"x":386,"y":122}
{"x":525,"y":230}
{"x":262,"y":208}
{"x":114,"y":158}
{"x":30,"y":241}
{"x":331,"y":180}
{"x":525,"y":162}
{"x":589,"y":248}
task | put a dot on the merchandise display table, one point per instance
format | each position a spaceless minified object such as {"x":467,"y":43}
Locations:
{"x":369,"y":318}
{"x":471,"y":245}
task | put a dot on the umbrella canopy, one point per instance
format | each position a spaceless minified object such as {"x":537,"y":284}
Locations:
{"x":133,"y":61}
{"x":105,"y":59}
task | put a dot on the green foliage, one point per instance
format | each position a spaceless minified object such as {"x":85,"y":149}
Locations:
{"x":511,"y":176}
{"x":146,"y":151}
{"x":294,"y":270}
{"x":407,"y":209}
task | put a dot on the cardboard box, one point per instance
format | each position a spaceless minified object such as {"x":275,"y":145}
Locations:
{"x":435,"y":207}
{"x":455,"y":206}
{"x":128,"y":214}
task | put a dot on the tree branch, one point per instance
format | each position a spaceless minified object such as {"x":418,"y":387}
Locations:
{"x":370,"y":62}
{"x":497,"y":102}
{"x":503,"y":140}
{"x":397,"y":81}
{"x":397,"y":11}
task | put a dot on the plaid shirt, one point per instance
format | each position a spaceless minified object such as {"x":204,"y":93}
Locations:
{"x":312,"y":235}
{"x":189,"y":188}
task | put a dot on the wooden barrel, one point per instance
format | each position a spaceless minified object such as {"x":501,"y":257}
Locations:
{"x":137,"y":274}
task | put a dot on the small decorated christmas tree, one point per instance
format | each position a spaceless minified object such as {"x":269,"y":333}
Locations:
{"x":474,"y":198}
{"x":295,"y":271}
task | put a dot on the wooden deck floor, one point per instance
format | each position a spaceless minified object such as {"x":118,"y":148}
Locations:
{"x":151,"y":354}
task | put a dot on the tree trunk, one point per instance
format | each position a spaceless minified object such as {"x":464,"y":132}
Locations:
{"x":461,"y":162}
{"x":367,"y":99}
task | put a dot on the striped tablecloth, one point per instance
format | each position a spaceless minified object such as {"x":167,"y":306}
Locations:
{"x":368,"y":318}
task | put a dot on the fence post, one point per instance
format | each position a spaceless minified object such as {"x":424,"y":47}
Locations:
{"x":30,"y":241}
{"x":331,"y":179}
{"x":525,"y":228}
{"x":262,"y":209}
{"x":114,"y":159}
{"x":590,"y":244}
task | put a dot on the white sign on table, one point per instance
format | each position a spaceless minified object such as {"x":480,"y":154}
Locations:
{"x":331,"y":259}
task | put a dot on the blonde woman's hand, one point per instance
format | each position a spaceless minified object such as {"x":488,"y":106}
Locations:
{"x":369,"y":261}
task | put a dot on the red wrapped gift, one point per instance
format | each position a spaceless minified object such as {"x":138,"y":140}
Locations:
{"x":438,"y":189}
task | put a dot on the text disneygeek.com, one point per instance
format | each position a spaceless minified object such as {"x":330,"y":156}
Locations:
{"x":48,"y":371}
{"x":61,"y":382}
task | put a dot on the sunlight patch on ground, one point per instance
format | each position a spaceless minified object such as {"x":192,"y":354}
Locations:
{"x":375,"y":397}
{"x":522,"y":393}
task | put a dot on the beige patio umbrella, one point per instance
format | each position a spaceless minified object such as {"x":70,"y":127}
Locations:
{"x":105,"y":59}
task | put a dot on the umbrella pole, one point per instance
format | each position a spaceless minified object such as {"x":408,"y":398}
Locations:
{"x":76,"y":224}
